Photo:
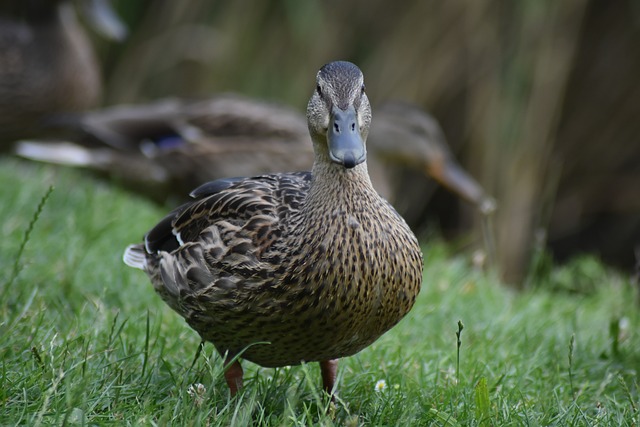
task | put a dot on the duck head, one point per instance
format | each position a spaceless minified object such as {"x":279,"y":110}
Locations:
{"x":339,"y":114}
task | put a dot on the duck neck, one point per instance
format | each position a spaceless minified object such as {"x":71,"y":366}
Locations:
{"x":335,"y":186}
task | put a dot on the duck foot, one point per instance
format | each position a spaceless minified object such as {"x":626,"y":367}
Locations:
{"x":329,"y":370}
{"x":233,"y":375}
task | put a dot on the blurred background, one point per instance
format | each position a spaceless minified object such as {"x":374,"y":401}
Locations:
{"x":539,"y":100}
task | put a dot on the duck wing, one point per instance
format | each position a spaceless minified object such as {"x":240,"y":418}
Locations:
{"x":218,"y":249}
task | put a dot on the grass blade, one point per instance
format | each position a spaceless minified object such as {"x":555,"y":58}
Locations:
{"x":17,"y":264}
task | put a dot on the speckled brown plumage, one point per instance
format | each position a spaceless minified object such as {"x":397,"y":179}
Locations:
{"x":292,"y":267}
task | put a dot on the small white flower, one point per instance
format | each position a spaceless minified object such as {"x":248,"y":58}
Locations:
{"x":381,"y":385}
{"x":197,"y":392}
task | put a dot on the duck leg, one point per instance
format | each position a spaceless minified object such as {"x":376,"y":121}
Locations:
{"x":329,"y":370}
{"x":233,"y":375}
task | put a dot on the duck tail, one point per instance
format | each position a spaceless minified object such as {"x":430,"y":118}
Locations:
{"x":63,"y":153}
{"x":135,"y":256}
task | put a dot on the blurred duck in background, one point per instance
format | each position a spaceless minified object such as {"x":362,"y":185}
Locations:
{"x":49,"y":78}
{"x":167,"y":148}
{"x":47,"y":64}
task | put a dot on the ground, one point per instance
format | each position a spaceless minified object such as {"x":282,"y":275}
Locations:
{"x":86,"y":341}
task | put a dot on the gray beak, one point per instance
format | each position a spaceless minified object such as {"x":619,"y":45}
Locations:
{"x":346,"y":146}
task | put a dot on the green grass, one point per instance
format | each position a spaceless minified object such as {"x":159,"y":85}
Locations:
{"x":85,"y":341}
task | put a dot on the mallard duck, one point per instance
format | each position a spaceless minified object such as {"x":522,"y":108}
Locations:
{"x":296,"y":267}
{"x":47,"y":64}
{"x":165,"y":148}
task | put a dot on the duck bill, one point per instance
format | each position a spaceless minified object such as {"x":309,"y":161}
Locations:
{"x":346,"y":146}
{"x":456,"y":179}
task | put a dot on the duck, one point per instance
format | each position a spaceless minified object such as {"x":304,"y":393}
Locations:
{"x":404,"y":138}
{"x":285,"y":268}
{"x":47,"y":63}
{"x":165,"y":148}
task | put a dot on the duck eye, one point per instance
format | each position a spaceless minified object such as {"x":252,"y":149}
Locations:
{"x":319,"y":90}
